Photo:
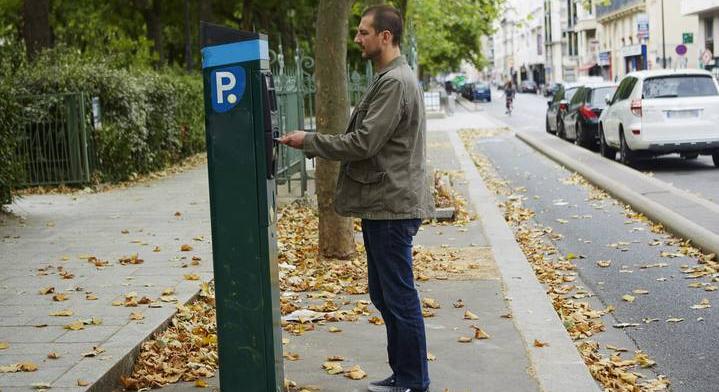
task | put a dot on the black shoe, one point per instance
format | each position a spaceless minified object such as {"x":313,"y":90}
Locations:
{"x":386,"y":385}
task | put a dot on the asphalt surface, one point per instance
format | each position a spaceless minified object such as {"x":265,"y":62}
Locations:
{"x":684,"y":351}
{"x":698,"y":176}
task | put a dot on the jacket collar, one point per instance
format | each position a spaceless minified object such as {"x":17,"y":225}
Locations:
{"x":399,"y":60}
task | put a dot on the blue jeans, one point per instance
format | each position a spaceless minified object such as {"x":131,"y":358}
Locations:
{"x":391,"y":288}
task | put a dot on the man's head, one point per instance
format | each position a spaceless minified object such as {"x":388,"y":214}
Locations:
{"x":379,"y":30}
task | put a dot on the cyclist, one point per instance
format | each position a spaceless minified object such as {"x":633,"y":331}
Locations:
{"x":509,"y":92}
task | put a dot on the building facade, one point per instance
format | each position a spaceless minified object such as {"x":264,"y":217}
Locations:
{"x":707,"y":37}
{"x":645,"y":34}
{"x":518,"y":42}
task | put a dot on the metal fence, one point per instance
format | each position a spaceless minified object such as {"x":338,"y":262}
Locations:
{"x":55,"y":145}
{"x":296,"y":88}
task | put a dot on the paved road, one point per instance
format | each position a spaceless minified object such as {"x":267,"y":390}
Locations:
{"x":683,"y":350}
{"x":697,"y":176}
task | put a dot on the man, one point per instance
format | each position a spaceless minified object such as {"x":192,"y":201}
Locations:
{"x":383,"y":181}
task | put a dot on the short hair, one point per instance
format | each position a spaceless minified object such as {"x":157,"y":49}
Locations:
{"x":385,"y":17}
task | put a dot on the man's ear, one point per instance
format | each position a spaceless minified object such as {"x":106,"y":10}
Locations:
{"x":387,"y":36}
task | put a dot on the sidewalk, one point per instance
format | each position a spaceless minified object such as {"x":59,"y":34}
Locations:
{"x":77,"y":226}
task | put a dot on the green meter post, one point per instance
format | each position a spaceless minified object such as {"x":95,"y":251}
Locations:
{"x":241,"y":124}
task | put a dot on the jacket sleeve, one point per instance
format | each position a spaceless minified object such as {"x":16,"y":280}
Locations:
{"x":368,"y":138}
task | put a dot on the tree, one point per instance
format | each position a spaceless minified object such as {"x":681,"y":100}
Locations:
{"x":36,"y":25}
{"x":336,"y":233}
{"x":449,"y":31}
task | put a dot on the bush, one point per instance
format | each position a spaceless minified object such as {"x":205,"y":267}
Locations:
{"x":10,"y":114}
{"x":150,"y":119}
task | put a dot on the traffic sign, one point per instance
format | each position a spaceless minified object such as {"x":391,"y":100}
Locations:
{"x":681,"y":49}
{"x":687,"y":38}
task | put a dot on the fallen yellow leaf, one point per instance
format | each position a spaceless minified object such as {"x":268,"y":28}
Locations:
{"x":470,"y":316}
{"x":76,"y":326}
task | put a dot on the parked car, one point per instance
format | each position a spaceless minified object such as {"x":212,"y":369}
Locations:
{"x":661,"y":112}
{"x":551,"y":89}
{"x":581,"y":120}
{"x":528,"y":86}
{"x":477,"y":91}
{"x":558,"y":105}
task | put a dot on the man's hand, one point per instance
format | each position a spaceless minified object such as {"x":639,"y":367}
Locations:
{"x":295,"y":139}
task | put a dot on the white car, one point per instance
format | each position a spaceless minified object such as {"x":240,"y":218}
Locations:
{"x":661,"y":112}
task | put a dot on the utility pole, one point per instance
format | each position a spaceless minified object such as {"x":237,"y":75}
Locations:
{"x":664,"y":44}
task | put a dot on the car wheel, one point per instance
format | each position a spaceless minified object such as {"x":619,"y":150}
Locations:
{"x":626,"y":155}
{"x":715,"y":158}
{"x":604,"y":149}
{"x":561,"y":131}
{"x":581,"y":139}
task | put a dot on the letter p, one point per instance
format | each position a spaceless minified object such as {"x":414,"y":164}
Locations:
{"x":225,"y":81}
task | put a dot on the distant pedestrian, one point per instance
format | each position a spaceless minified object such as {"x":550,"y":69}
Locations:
{"x":383,"y":181}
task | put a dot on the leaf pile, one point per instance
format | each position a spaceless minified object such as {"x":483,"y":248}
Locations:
{"x":185,"y":351}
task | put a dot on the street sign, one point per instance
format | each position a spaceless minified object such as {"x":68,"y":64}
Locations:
{"x":681,"y":49}
{"x":642,"y":25}
{"x":687,"y":38}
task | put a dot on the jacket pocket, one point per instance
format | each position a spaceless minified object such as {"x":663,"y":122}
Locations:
{"x":367,"y":190}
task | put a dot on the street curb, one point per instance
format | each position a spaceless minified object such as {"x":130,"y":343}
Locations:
{"x":674,"y":222}
{"x":558,"y":367}
{"x":110,"y":380}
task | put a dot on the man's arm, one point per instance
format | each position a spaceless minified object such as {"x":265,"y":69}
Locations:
{"x":378,"y":125}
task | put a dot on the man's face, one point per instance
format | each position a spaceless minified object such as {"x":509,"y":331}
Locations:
{"x":369,"y":41}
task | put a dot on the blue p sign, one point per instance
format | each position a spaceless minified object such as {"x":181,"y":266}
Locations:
{"x":228,"y":86}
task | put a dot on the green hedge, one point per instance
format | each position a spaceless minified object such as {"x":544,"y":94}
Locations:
{"x":150,"y":119}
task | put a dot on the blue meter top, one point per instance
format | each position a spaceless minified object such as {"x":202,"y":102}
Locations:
{"x":223,"y":46}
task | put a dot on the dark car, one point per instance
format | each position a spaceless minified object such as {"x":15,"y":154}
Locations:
{"x":477,"y":91}
{"x":558,"y":105}
{"x":581,"y":120}
{"x":551,"y":89}
{"x":528,"y":86}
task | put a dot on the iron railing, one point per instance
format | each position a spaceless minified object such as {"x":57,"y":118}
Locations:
{"x":295,"y":87}
{"x":55,"y":145}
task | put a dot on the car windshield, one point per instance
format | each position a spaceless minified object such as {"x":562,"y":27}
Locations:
{"x":679,"y":86}
{"x":570,"y":93}
{"x":482,"y":86}
{"x":598,"y":95}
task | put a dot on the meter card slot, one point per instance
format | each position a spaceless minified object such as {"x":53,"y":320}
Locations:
{"x":269,"y":101}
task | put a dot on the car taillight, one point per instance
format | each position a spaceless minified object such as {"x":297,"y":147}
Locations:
{"x":563,"y":106}
{"x":636,"y":107}
{"x":586,"y":112}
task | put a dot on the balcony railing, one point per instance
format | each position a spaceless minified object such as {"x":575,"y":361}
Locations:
{"x":616,"y":5}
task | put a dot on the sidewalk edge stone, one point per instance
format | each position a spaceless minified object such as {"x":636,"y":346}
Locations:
{"x":559,"y":366}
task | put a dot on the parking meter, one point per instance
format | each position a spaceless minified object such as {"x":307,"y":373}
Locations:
{"x":241,"y":122}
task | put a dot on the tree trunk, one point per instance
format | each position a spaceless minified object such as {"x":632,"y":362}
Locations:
{"x":206,"y":13}
{"x":188,"y":38}
{"x":336,"y":233}
{"x":36,"y":25}
{"x":152,"y":12}
{"x":247,"y":15}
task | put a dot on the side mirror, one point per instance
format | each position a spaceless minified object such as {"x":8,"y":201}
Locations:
{"x":608,"y":99}
{"x":549,"y":103}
